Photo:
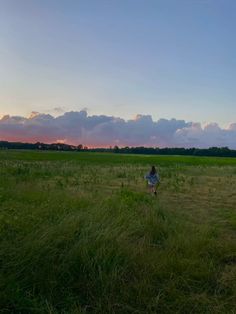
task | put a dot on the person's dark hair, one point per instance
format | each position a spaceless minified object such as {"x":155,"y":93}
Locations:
{"x":153,"y":170}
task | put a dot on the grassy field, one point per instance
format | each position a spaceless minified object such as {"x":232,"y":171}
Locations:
{"x":80,"y":234}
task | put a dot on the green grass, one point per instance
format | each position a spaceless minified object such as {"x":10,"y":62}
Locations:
{"x":109,"y":158}
{"x":80,"y":234}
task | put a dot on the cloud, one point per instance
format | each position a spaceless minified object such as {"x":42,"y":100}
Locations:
{"x":210,"y":135}
{"x":56,"y":110}
{"x":77,"y":127}
{"x":59,"y":110}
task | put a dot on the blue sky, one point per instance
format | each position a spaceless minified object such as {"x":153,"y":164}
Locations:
{"x":167,"y":58}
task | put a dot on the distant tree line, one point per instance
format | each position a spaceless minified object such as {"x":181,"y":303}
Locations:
{"x":41,"y":146}
{"x":212,"y":151}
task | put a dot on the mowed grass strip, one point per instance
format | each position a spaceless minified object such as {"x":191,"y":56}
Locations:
{"x":80,"y":234}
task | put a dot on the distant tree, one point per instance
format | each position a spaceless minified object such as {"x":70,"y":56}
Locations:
{"x":116,"y":149}
{"x":80,"y":147}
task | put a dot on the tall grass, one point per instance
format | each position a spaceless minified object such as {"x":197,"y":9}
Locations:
{"x":79,"y":237}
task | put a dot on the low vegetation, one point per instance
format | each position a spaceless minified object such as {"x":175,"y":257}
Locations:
{"x":80,"y":234}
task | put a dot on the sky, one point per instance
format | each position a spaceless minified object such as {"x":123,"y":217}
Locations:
{"x":168,"y":59}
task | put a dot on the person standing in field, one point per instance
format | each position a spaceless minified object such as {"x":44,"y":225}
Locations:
{"x":153,"y":179}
